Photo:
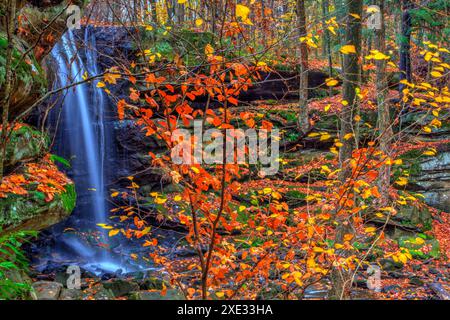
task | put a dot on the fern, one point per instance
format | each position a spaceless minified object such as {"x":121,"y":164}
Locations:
{"x":13,"y":259}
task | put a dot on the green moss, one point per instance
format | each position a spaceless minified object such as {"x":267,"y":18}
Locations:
{"x":27,"y":70}
{"x":25,"y":143}
{"x":416,"y":246}
{"x":33,"y":212}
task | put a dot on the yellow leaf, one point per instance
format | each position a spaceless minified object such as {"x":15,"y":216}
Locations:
{"x":330,"y":82}
{"x":402,"y":181}
{"x":220,"y":294}
{"x":372,"y":10}
{"x":324,"y":137}
{"x":209,"y":50}
{"x":242,"y":12}
{"x":430,"y":152}
{"x":327,"y":107}
{"x":104,"y":226}
{"x":403,"y":258}
{"x":114,"y":194}
{"x":348,"y":136}
{"x":331,"y":28}
{"x":297,"y":278}
{"x":160,"y":200}
{"x":198,"y":22}
{"x":100,"y":84}
{"x":182,"y":1}
{"x":370,"y":230}
{"x":112,"y":233}
{"x":148,"y":28}
{"x":177,"y":198}
{"x":356,"y":16}
{"x":427,"y":129}
{"x":313,"y":134}
{"x":267,"y":190}
{"x":195,"y":169}
{"x":347,"y":49}
{"x":436,"y":74}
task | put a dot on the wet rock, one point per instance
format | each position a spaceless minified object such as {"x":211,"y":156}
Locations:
{"x":416,"y":281}
{"x":171,"y":294}
{"x":391,"y":288}
{"x":46,"y":290}
{"x":152,"y":283}
{"x":121,"y":287}
{"x":70,"y":294}
{"x":390,"y":265}
{"x":101,"y":293}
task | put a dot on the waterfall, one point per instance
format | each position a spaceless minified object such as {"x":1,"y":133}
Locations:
{"x":81,"y":138}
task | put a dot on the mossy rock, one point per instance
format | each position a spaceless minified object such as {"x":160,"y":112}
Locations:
{"x":32,"y":212}
{"x":31,"y":81}
{"x":171,"y":294}
{"x":25,"y":143}
{"x":416,"y":245}
{"x":412,"y":216}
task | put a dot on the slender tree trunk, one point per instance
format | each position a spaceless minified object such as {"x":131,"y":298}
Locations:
{"x":7,"y":89}
{"x":303,"y":119}
{"x":405,"y":44}
{"x":341,"y":279}
{"x":351,"y":69}
{"x":327,"y":40}
{"x":384,"y":123}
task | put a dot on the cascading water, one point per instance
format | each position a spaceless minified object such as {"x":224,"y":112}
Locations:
{"x":84,"y":126}
{"x":81,"y":137}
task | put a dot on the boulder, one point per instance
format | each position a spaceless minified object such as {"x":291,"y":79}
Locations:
{"x":70,"y":294}
{"x":32,"y":212}
{"x":25,"y":143}
{"x":171,"y":294}
{"x":47,"y":290}
{"x":120,"y":287}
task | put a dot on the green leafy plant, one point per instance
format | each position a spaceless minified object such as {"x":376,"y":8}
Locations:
{"x":13,"y":263}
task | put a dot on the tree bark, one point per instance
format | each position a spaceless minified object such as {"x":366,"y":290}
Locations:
{"x":303,"y":119}
{"x":342,"y":279}
{"x":327,"y":40}
{"x":405,"y":45}
{"x":10,"y":26}
{"x":351,"y":69}
{"x":384,"y":125}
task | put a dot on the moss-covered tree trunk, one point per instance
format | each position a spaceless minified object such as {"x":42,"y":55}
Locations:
{"x":7,"y":89}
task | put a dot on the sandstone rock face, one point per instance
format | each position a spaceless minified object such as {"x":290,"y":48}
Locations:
{"x":434,"y":180}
